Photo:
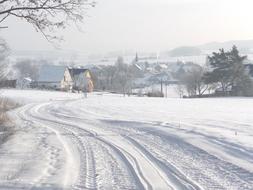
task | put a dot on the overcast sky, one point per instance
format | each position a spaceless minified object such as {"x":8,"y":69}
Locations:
{"x":145,"y":25}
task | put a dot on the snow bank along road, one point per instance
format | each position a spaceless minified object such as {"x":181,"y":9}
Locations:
{"x":110,"y":142}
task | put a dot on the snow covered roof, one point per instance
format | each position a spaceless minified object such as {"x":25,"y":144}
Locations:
{"x":163,"y":66}
{"x":138,"y":67}
{"x":51,"y":73}
{"x":28,"y":79}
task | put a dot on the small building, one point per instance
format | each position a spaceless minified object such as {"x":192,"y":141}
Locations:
{"x":25,"y":83}
{"x":64,"y":78}
{"x":249,"y":69}
{"x":50,"y":77}
{"x":77,"y":79}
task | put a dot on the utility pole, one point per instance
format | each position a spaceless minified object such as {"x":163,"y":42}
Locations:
{"x":161,"y":85}
{"x":166,"y":88}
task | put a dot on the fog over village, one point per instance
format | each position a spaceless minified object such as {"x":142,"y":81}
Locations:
{"x":126,"y":94}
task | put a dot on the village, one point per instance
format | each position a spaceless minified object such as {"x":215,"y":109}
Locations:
{"x":137,"y":75}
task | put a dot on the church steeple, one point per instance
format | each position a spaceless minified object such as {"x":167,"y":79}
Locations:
{"x":136,"y":58}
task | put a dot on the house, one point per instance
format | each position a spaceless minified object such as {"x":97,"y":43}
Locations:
{"x":25,"y":83}
{"x":50,"y":77}
{"x":64,"y":78}
{"x":77,"y":79}
{"x":249,"y":69}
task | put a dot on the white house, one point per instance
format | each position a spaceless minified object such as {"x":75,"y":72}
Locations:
{"x":77,"y":79}
{"x":64,"y":78}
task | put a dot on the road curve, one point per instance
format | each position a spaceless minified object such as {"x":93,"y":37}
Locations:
{"x":64,"y":146}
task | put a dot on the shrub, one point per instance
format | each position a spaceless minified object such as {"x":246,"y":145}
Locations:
{"x":155,"y":94}
{"x":5,"y":125}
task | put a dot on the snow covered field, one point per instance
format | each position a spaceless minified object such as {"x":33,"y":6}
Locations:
{"x":64,"y":141}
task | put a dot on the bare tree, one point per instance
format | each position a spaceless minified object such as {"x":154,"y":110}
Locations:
{"x":180,"y":89}
{"x":193,"y":81}
{"x":46,"y":15}
{"x":26,"y":68}
{"x":123,"y":78}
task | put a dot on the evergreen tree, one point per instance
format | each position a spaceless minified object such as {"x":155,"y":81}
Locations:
{"x":227,"y":69}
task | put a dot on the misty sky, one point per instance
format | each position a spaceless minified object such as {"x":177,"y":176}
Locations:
{"x":145,"y":25}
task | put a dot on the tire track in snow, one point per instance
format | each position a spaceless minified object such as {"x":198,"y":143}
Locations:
{"x":204,"y":168}
{"x":179,"y":180}
{"x":144,"y":170}
{"x":86,"y":179}
{"x":51,"y":152}
{"x":74,"y":131}
{"x":159,"y":174}
{"x":174,"y":163}
{"x":172,"y":181}
{"x":207,"y":170}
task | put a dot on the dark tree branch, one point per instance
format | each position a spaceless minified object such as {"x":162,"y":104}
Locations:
{"x":46,"y":15}
{"x":3,"y":1}
{"x":5,"y":17}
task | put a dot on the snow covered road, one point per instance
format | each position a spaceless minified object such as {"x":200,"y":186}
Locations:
{"x":110,"y":142}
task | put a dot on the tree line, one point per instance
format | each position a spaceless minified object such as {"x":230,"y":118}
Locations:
{"x":224,"y":74}
{"x":118,"y":78}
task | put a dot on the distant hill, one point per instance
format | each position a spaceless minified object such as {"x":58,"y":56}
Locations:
{"x":185,"y":51}
{"x":245,"y":46}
